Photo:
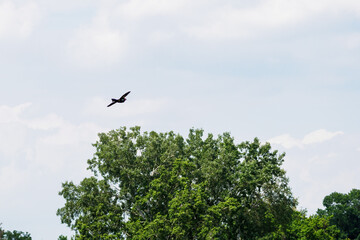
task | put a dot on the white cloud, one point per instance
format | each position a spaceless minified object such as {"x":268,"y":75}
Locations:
{"x":159,"y":37}
{"x":42,"y":139}
{"x":317,"y":172}
{"x":98,"y":44}
{"x":146,"y":8}
{"x":317,"y":136}
{"x":351,"y":41}
{"x":286,"y":141}
{"x":43,"y":152}
{"x":12,"y":176}
{"x":70,"y":134}
{"x":18,"y":20}
{"x":50,"y":121}
{"x":67,"y":148}
{"x":230,"y":22}
{"x":11,"y":114}
{"x":37,"y":154}
{"x":12,"y":131}
{"x":116,"y":26}
{"x":12,"y":138}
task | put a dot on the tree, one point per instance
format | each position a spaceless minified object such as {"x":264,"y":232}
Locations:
{"x":17,"y":235}
{"x":162,"y":186}
{"x":62,"y":237}
{"x":14,"y":235}
{"x":306,"y":228}
{"x":345,"y":209}
{"x":1,"y":232}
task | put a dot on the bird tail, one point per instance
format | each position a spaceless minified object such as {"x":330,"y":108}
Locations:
{"x":113,"y":99}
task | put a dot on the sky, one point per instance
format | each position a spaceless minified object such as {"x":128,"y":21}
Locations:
{"x":285,"y":71}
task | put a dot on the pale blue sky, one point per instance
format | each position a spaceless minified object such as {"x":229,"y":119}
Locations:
{"x":285,"y":71}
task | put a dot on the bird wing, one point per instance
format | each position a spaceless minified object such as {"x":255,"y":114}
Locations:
{"x":111,"y":104}
{"x":125,"y":94}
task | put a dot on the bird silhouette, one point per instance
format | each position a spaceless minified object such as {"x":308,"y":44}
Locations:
{"x":120,"y":100}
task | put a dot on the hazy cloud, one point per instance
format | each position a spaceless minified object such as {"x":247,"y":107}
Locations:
{"x":97,"y":44}
{"x":18,"y":20}
{"x":303,"y":62}
{"x":230,"y":21}
{"x":351,"y":41}
{"x":12,"y":114}
{"x":47,"y":122}
{"x":317,"y":136}
{"x":322,"y":169}
{"x":286,"y":141}
{"x":13,"y":132}
{"x":146,"y":8}
{"x":32,"y":137}
{"x":37,"y":154}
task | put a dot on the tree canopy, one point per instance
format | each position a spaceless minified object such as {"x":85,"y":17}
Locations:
{"x":163,"y":186}
{"x":314,"y":227}
{"x":14,"y":235}
{"x":345,"y":212}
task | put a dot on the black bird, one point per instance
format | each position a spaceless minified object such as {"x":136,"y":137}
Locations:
{"x":120,"y":100}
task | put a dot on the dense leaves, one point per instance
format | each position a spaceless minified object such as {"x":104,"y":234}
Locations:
{"x":345,"y":212}
{"x":14,"y":235}
{"x":162,"y":186}
{"x":306,"y":228}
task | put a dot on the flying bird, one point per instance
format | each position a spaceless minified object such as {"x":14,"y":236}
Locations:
{"x":120,"y":100}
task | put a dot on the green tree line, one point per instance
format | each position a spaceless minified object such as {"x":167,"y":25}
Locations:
{"x":163,"y":186}
{"x":13,"y":235}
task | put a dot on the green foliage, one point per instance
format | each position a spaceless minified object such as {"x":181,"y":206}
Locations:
{"x":1,"y":232}
{"x":162,"y":186}
{"x":14,"y":235}
{"x":96,"y":205}
{"x":313,"y":227}
{"x":62,"y":237}
{"x":345,"y":209}
{"x":306,"y":228}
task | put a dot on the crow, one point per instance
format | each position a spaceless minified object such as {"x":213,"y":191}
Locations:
{"x":120,"y":100}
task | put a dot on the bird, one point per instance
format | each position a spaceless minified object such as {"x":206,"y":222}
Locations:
{"x":120,"y":100}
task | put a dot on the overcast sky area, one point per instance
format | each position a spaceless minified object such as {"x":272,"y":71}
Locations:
{"x":285,"y":71}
